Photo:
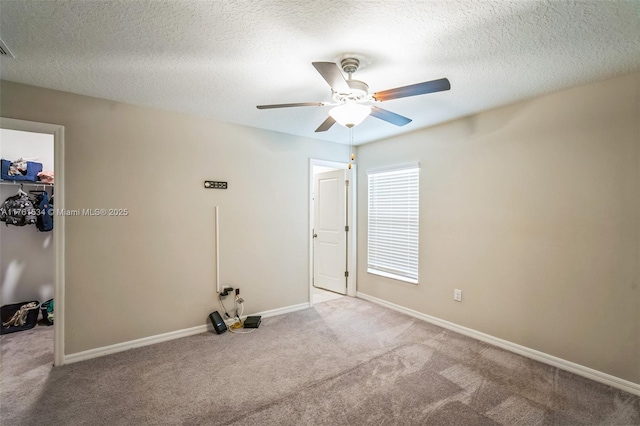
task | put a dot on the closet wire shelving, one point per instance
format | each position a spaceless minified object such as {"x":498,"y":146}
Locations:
{"x":25,"y":183}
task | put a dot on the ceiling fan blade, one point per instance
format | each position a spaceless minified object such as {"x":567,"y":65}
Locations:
{"x":413,"y":90}
{"x":330,"y":72}
{"x":290,"y":105}
{"x":390,"y":117}
{"x":326,"y":124}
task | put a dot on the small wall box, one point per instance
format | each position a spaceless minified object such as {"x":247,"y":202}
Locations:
{"x":214,"y":184}
{"x":32,"y":171}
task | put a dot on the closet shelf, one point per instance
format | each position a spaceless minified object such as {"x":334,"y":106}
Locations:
{"x":24,"y":182}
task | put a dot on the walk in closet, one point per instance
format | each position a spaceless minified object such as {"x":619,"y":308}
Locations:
{"x":27,"y":252}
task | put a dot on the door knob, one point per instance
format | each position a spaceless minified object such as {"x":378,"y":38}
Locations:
{"x":315,"y":235}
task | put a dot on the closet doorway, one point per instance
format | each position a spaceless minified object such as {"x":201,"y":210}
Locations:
{"x":329,"y":259}
{"x":47,"y":279}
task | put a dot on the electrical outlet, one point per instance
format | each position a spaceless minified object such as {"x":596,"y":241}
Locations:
{"x":457,"y":295}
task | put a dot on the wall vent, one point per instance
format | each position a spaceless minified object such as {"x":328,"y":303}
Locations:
{"x":4,"y":50}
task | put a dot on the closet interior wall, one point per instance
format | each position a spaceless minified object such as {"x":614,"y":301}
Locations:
{"x":26,"y":255}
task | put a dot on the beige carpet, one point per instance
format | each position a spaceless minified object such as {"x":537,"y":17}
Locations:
{"x":343,"y":362}
{"x":321,"y":296}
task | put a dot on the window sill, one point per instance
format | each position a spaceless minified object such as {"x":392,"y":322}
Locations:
{"x":392,"y":276}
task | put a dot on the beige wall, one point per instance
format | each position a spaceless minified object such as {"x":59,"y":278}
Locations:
{"x":153,"y":271}
{"x":533,"y":211}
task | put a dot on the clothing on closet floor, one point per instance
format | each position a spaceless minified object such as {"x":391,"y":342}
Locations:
{"x":47,"y":311}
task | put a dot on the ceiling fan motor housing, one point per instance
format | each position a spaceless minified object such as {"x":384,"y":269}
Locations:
{"x":359,"y":92}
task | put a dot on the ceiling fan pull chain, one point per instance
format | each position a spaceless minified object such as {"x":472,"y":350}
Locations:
{"x":351,"y":156}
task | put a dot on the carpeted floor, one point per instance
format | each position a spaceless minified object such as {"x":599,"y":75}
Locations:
{"x":321,"y":296}
{"x":343,"y":362}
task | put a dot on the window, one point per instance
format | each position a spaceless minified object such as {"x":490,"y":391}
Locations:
{"x":392,"y":248}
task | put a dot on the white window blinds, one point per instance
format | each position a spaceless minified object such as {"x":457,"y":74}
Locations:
{"x":393,"y":223}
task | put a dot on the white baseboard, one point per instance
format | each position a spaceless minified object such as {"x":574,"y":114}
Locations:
{"x":271,"y":312}
{"x":164,"y":337}
{"x":282,"y":311}
{"x":563,"y":364}
{"x":145,"y":341}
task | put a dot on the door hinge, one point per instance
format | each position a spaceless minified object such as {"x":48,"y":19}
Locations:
{"x":346,"y":183}
{"x":346,"y":228}
{"x":346,"y":274}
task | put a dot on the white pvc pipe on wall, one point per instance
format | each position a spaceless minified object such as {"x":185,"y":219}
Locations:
{"x":217,"y":252}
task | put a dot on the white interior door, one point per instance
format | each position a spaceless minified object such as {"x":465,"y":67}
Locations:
{"x":330,"y":237}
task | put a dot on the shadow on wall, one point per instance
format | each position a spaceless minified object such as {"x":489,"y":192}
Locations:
{"x":10,"y":280}
{"x":15,"y":270}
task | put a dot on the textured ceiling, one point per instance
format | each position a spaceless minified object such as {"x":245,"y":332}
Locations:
{"x":220,"y":59}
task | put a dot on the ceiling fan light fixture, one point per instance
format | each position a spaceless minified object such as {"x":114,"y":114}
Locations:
{"x":350,"y":114}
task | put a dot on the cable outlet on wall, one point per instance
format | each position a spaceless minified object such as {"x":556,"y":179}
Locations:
{"x":457,"y":295}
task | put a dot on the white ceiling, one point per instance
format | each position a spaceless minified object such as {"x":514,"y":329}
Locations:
{"x":220,"y":59}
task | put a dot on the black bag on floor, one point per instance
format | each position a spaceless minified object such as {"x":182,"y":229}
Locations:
{"x":31,"y":318}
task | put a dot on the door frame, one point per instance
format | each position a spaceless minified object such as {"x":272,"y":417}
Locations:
{"x":59,"y":229}
{"x":351,"y":235}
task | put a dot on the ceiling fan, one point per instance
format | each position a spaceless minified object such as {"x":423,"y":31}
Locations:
{"x":350,"y":97}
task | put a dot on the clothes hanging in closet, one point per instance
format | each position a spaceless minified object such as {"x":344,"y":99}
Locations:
{"x":44,"y":210}
{"x":18,"y":210}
